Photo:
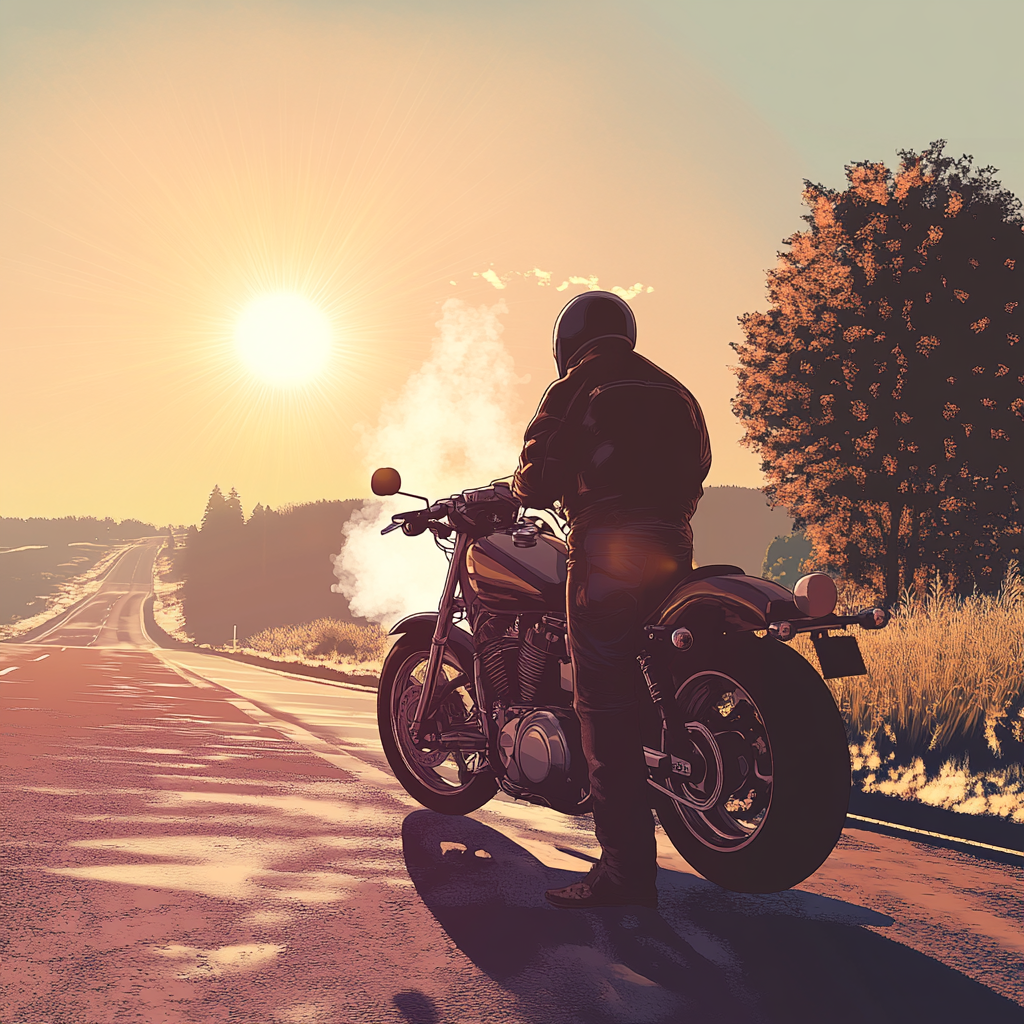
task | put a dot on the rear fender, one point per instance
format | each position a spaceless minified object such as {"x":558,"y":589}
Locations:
{"x":731,"y":603}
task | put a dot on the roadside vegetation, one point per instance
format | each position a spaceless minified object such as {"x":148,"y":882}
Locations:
{"x":939,"y":717}
{"x":347,"y":646}
{"x":881,"y":387}
{"x":168,"y":580}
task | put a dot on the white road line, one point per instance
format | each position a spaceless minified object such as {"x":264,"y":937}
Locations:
{"x":13,"y":668}
{"x":937,"y":835}
{"x":41,"y":657}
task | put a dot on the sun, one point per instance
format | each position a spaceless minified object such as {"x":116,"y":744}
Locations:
{"x":284,"y":339}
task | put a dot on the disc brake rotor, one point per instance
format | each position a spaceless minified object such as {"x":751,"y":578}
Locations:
{"x":407,"y":705}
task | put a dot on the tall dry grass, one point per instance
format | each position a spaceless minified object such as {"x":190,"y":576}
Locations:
{"x":323,"y":640}
{"x":940,"y":714}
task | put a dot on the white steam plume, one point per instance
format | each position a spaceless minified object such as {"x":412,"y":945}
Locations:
{"x":450,"y":428}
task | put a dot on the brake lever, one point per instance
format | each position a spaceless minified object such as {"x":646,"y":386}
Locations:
{"x":388,"y":529}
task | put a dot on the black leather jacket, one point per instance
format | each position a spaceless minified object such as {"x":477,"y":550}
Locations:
{"x":615,"y":435}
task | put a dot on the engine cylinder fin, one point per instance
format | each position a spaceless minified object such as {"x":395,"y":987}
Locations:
{"x":497,"y":662}
{"x":542,"y":645}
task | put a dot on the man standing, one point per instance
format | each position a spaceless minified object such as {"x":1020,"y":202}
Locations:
{"x":622,"y":446}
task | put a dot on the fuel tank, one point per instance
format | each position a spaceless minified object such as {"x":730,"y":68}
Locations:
{"x":515,"y":579}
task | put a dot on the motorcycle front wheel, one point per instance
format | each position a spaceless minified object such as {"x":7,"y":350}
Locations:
{"x":771,"y":785}
{"x":451,"y":782}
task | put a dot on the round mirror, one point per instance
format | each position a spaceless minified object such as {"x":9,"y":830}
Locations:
{"x":385,"y":481}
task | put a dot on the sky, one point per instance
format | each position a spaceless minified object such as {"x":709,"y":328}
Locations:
{"x":165,"y":165}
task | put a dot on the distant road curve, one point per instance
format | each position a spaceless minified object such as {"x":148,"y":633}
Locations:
{"x":112,"y":616}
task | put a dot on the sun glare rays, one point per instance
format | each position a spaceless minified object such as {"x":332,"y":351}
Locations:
{"x":284,"y":339}
{"x":265,"y":253}
{"x":161,"y":182}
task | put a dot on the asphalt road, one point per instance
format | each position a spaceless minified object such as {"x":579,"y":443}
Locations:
{"x":192,"y":840}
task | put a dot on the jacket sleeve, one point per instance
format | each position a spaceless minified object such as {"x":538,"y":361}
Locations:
{"x":544,"y":472}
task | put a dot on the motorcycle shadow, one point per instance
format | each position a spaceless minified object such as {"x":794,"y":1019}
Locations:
{"x":705,"y":954}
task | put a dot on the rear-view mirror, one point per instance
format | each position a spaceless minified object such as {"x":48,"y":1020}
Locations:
{"x":385,"y":481}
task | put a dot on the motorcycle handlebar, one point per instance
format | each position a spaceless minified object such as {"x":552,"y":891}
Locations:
{"x":419,"y":520}
{"x":414,"y":523}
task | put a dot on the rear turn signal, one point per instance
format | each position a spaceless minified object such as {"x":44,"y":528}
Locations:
{"x":682,"y":638}
{"x":872,"y":618}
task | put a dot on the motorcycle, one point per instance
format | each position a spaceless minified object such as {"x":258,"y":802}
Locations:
{"x":746,"y":752}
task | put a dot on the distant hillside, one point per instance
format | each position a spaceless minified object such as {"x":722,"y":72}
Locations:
{"x":734,"y":525}
{"x":15,"y":533}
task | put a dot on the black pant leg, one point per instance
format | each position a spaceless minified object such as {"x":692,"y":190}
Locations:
{"x":617,"y":576}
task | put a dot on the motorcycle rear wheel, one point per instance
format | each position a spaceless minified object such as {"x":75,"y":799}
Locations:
{"x":774,"y":800}
{"x":451,"y":782}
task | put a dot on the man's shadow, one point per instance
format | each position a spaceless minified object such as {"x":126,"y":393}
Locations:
{"x":706,"y":954}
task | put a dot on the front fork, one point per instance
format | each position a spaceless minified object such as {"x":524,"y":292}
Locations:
{"x":445,"y":615}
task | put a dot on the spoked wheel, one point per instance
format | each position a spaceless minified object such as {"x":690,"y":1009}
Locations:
{"x":449,"y":781}
{"x":768,"y":795}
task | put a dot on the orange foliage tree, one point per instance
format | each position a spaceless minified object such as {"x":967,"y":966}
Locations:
{"x":884,"y":386}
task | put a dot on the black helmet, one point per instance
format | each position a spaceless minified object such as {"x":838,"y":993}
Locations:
{"x":587,"y":318}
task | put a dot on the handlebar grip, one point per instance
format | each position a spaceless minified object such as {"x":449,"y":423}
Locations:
{"x":414,"y":527}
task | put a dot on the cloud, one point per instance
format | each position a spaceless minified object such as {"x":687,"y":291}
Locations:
{"x":544,"y":279}
{"x":492,"y":278}
{"x":632,"y":292}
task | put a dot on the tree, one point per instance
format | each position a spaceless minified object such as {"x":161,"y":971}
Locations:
{"x":233,"y":514}
{"x":214,"y":566}
{"x":275,"y":567}
{"x":784,"y":559}
{"x":216,"y":513}
{"x":883,"y":387}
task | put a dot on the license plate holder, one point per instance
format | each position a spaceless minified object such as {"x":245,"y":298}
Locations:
{"x":838,"y":656}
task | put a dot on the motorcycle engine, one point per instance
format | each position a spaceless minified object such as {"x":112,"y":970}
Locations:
{"x":543,"y":759}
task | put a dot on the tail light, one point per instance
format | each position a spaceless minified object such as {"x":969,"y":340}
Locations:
{"x":815,"y":595}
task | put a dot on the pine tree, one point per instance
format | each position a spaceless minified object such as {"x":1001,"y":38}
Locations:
{"x":212,"y":517}
{"x":233,"y":513}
